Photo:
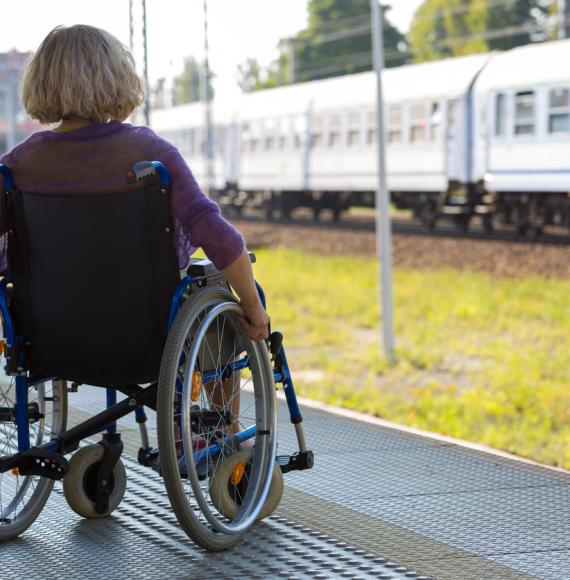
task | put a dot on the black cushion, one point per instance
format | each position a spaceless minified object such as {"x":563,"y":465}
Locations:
{"x":93,"y":280}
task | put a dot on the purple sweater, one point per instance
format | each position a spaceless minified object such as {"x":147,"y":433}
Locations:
{"x":95,"y":159}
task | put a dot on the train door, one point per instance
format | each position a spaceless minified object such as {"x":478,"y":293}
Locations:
{"x":454,"y":147}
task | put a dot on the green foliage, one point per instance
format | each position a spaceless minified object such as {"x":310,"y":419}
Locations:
{"x":337,"y":41}
{"x":188,"y":84}
{"x":252,"y":77}
{"x":479,"y":357}
{"x":446,"y":28}
{"x":324,"y":49}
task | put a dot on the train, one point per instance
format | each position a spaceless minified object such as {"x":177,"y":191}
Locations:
{"x":481,"y":137}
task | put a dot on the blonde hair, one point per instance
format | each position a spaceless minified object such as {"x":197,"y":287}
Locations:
{"x":81,"y":71}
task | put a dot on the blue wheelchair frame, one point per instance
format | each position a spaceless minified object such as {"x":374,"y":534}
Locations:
{"x":106,"y":420}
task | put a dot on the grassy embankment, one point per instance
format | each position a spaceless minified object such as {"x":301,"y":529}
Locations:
{"x":481,"y":358}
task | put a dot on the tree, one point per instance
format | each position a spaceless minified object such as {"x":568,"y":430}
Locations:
{"x":337,"y":41}
{"x":188,"y":84}
{"x":252,"y":77}
{"x":445,"y":28}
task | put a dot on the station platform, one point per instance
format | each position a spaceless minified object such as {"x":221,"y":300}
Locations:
{"x":381,"y":502}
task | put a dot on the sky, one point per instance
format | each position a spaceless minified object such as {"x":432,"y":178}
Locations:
{"x":238,"y":29}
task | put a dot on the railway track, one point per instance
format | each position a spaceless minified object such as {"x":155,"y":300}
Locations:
{"x":503,"y":254}
{"x":364,"y":222}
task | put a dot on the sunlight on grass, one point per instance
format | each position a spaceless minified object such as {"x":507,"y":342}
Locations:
{"x":479,"y":357}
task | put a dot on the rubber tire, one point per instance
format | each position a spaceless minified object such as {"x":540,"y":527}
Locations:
{"x":73,"y":482}
{"x":220,"y":493}
{"x":207,"y":539}
{"x":44,"y":486}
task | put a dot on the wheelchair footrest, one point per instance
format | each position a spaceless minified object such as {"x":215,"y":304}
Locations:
{"x":38,"y":461}
{"x":148,"y":457}
{"x":296,"y":462}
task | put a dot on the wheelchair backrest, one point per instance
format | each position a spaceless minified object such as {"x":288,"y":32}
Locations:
{"x":93,"y":277}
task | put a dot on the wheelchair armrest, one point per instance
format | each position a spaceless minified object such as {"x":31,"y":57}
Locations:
{"x":202,"y":267}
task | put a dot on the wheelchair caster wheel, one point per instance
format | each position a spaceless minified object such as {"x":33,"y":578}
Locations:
{"x":226,"y":495}
{"x":79,"y":485}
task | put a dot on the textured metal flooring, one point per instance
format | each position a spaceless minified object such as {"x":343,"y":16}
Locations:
{"x":380,"y":503}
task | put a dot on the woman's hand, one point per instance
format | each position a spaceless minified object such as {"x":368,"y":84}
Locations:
{"x":255,"y":321}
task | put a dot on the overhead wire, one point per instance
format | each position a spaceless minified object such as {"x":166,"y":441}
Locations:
{"x":360,"y":26}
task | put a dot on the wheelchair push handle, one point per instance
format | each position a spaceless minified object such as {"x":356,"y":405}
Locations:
{"x":145,"y":170}
{"x":7,"y":175}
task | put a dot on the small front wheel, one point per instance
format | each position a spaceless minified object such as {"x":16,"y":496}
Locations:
{"x":80,"y":484}
{"x":229,"y":481}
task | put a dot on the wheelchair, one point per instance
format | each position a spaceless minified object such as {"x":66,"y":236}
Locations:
{"x":93,"y":296}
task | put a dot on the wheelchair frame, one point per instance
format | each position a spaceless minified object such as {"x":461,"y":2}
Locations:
{"x":48,"y":459}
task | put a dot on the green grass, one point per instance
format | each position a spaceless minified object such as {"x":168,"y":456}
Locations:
{"x":479,"y":357}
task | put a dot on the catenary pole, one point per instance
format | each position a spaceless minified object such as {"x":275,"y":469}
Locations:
{"x":561,"y":17}
{"x":208,"y":108}
{"x":383,"y":225}
{"x":145,"y":70}
{"x":131,"y":28}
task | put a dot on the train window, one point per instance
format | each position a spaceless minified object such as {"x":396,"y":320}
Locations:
{"x":435,"y":122}
{"x":270,"y":143}
{"x":220,"y":138}
{"x":395,"y":124}
{"x":500,"y":115}
{"x":317,"y":132}
{"x":354,"y":128}
{"x":371,"y":128}
{"x":282,"y":142}
{"x":524,"y":113}
{"x":418,"y":123}
{"x":559,"y":111}
{"x":334,"y":131}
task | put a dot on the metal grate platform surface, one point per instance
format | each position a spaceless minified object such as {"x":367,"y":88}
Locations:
{"x":379,"y":503}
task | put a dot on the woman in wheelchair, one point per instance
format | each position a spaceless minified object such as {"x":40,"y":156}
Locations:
{"x":97,"y":220}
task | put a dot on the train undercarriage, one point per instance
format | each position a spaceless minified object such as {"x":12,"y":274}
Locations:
{"x":527,"y":213}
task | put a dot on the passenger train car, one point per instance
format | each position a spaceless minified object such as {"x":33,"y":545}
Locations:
{"x":484,"y":135}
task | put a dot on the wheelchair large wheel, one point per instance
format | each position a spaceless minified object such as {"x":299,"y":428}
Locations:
{"x":22,"y":498}
{"x":202,"y":402}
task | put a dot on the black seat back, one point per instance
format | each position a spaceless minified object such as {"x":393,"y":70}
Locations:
{"x":93,"y":276}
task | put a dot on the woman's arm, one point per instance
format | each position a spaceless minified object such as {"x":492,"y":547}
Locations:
{"x":223,"y":244}
{"x":240,"y":275}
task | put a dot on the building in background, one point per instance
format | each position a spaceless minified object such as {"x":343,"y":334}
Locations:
{"x":15,"y":124}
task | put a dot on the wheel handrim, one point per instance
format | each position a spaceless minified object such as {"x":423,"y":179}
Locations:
{"x":264,"y":418}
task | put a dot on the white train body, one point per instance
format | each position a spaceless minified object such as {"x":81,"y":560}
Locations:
{"x":463,"y":136}
{"x":523,"y":115}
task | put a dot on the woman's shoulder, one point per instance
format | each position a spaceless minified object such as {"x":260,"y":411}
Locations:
{"x":11,"y":157}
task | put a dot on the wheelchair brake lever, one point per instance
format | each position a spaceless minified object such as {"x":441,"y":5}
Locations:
{"x":275,"y":344}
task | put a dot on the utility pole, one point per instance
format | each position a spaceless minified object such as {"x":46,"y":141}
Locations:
{"x":209,"y":149}
{"x":145,"y":70}
{"x":561,"y":18}
{"x":131,"y":28}
{"x":383,"y":225}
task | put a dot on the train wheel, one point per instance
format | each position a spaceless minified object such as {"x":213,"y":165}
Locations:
{"x":337,"y":212}
{"x":462,"y":223}
{"x":530,"y":232}
{"x":488,"y":223}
